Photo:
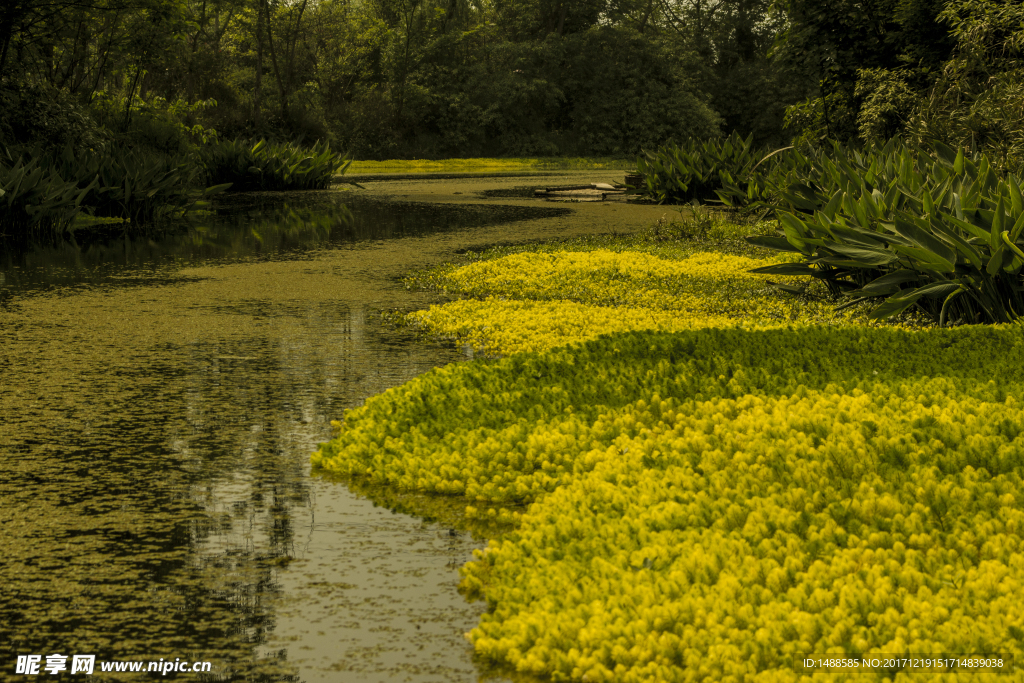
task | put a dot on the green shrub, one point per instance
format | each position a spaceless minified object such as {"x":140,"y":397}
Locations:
{"x":38,"y":115}
{"x":42,"y":193}
{"x":35,"y":199}
{"x":940,"y":231}
{"x":269,"y":166}
{"x":141,"y":186}
{"x":731,"y":170}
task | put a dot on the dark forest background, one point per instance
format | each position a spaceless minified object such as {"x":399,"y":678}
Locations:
{"x":460,"y":78}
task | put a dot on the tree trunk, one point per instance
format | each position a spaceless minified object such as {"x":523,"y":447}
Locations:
{"x":259,"y":67}
{"x":282,"y":93}
{"x":13,"y":10}
{"x":294,"y":41}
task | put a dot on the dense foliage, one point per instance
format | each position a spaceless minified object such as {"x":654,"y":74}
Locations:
{"x":380,"y":79}
{"x":268,"y":166}
{"x":731,"y":170}
{"x":934,"y":228}
{"x":942,"y":232}
{"x":928,"y":69}
{"x":41,"y":194}
{"x":443,"y":78}
{"x":45,"y":193}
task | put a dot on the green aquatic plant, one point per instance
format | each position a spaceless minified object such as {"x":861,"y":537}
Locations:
{"x":272,"y":166}
{"x":730,"y":170}
{"x":35,"y":199}
{"x":140,"y":186}
{"x":942,"y":232}
{"x":43,"y":193}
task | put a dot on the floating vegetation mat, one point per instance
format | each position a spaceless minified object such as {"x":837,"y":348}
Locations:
{"x":532,"y":301}
{"x":715,"y":502}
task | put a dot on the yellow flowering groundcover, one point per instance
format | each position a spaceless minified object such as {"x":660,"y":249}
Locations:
{"x":539,"y":300}
{"x":709,"y":504}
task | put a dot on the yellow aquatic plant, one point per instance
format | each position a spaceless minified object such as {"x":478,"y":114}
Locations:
{"x":539,"y":300}
{"x":710,"y":504}
{"x":749,"y":479}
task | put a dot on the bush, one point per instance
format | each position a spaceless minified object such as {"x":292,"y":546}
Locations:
{"x":47,"y":118}
{"x":941,"y":231}
{"x":41,"y":193}
{"x":269,"y":166}
{"x":731,"y":170}
{"x":35,"y":199}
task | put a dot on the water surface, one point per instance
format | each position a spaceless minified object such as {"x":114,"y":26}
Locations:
{"x":159,"y":399}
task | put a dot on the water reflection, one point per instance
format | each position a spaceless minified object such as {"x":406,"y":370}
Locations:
{"x":155,"y":428}
{"x":263,"y":226}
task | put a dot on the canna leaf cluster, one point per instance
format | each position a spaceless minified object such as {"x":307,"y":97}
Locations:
{"x":266,"y":166}
{"x":942,"y":232}
{"x":43,"y":193}
{"x":732,"y":170}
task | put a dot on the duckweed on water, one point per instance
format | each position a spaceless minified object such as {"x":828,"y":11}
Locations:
{"x":709,"y":504}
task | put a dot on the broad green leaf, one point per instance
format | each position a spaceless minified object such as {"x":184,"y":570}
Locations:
{"x":945,"y":153}
{"x":891,"y":307}
{"x":793,"y":226}
{"x":1000,"y":258}
{"x":926,"y":201}
{"x":865,"y":255}
{"x":859,"y":236}
{"x":966,"y":250}
{"x":785,"y":269}
{"x":997,"y":223}
{"x":1017,"y":228}
{"x":777,"y":243}
{"x":927,"y":259}
{"x":894,"y":279}
{"x":935,"y":289}
{"x":1016,"y":197}
{"x":923,"y":239}
{"x":969,"y":228}
{"x":833,"y":205}
{"x":791,"y":289}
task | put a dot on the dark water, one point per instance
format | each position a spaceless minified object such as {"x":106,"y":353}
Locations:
{"x":159,"y":399}
{"x":248,"y":227}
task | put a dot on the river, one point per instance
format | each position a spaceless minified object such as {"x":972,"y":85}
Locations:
{"x":159,"y":400}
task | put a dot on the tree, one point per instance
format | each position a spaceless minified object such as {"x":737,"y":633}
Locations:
{"x":978,"y":100}
{"x":834,"y":42}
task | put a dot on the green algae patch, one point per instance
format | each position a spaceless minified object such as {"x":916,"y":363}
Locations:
{"x":709,"y":504}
